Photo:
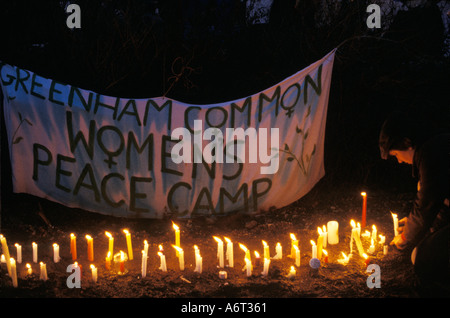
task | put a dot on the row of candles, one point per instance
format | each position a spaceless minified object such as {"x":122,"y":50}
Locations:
{"x":326,"y":234}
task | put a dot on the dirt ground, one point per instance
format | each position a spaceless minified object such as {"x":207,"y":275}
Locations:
{"x":23,"y":224}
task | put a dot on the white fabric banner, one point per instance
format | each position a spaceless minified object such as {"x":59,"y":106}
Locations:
{"x":159,"y":157}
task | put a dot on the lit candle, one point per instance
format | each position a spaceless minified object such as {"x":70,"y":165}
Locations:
{"x":198,"y":260}
{"x":278,"y":251}
{"x":29,"y":270}
{"x":246,"y":250}
{"x":130,"y":248}
{"x":395,"y":219}
{"x":371,"y":249}
{"x":366,"y":259}
{"x":56,"y":257}
{"x":265,"y":271}
{"x":19,"y":252}
{"x":382,"y":239}
{"x":3,"y":259}
{"x":122,"y":262}
{"x":297,"y":256}
{"x":180,"y":256}
{"x":248,"y":267}
{"x":385,"y":249}
{"x":43,"y":273}
{"x":325,"y":256}
{"x":325,"y":236}
{"x":108,"y":261}
{"x":314,"y":249}
{"x":219,"y":251}
{"x":144,"y":264}
{"x":319,"y":243}
{"x":94,"y":273}
{"x":177,"y":235}
{"x":6,"y":253}
{"x":229,"y":253}
{"x":35,"y":252}
{"x":146,"y":247}
{"x":13,"y":271}
{"x":266,"y":250}
{"x":76,"y":265}
{"x":73,"y":246}
{"x":110,"y":243}
{"x":294,"y":242}
{"x":333,"y":232}
{"x":90,"y":247}
{"x":163,"y":265}
{"x":344,"y":260}
{"x":292,"y":273}
{"x":374,"y":232}
{"x":223,"y":275}
{"x":257,"y":258}
{"x":356,"y":236}
{"x":364,"y":209}
{"x":366,"y":234}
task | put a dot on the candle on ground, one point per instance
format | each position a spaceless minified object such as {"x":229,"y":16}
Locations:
{"x":19,"y":252}
{"x":198,"y":260}
{"x":374,"y":232}
{"x":146,"y":247}
{"x":219,"y":251}
{"x":356,"y":237}
{"x":333,"y":232}
{"x":223,"y":275}
{"x":325,"y":256}
{"x":325,"y":236}
{"x":13,"y":272}
{"x":395,"y":219}
{"x":163,"y":265}
{"x":266,"y":250}
{"x":229,"y":253}
{"x":248,"y":267}
{"x":43,"y":273}
{"x":265,"y":271}
{"x":90,"y":247}
{"x":94,"y":273}
{"x":29,"y":270}
{"x":144,"y":264}
{"x":319,"y":243}
{"x":292,"y":273}
{"x":108,"y":261}
{"x":180,"y":256}
{"x":257,"y":258}
{"x":385,"y":249}
{"x":56,"y":257}
{"x":382,"y":239}
{"x":294,"y":241}
{"x":35,"y":252}
{"x":6,"y":253}
{"x":314,"y":249}
{"x":366,"y":259}
{"x":177,"y":235}
{"x":371,"y":249}
{"x":129,"y":247}
{"x":278,"y":251}
{"x":297,"y":256}
{"x":246,"y":250}
{"x":344,"y":260}
{"x":75,"y":266}
{"x":110,"y":243}
{"x":364,"y":209}
{"x":121,"y":262}
{"x":73,"y":246}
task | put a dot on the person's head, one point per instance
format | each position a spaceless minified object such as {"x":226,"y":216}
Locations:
{"x":399,"y":137}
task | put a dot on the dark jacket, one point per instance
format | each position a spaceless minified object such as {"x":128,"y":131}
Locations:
{"x":431,"y":165}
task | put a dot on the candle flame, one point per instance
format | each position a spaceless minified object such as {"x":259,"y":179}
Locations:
{"x":264,"y":243}
{"x":17,"y":245}
{"x":88,"y":237}
{"x":313,"y":243}
{"x":363,"y":194}
{"x":319,"y":230}
{"x":28,"y":266}
{"x":325,"y":252}
{"x":352,"y":223}
{"x":218,"y":240}
{"x":243,"y":247}
{"x":365,"y":256}
{"x":126,"y":231}
{"x":324,"y":229}
{"x":256,"y":254}
{"x":293,"y":237}
{"x":74,"y":264}
{"x":145,"y":242}
{"x":175,"y":227}
{"x":34,"y":244}
{"x":160,"y":254}
{"x":179,"y":249}
{"x":227,"y":240}
{"x":122,"y":256}
{"x":195,"y":247}
{"x":108,"y":234}
{"x":394,"y":215}
{"x":295,"y":247}
{"x":374,"y":227}
{"x":72,"y":235}
{"x":160,"y":247}
{"x":292,"y":268}
{"x":92,"y":266}
{"x":55,"y":245}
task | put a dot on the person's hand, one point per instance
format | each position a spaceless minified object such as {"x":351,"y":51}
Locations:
{"x":401,"y":224}
{"x":399,"y":242}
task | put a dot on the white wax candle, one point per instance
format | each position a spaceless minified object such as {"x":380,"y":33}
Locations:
{"x":13,"y":272}
{"x":220,"y":251}
{"x":43,"y":272}
{"x":314,"y":249}
{"x":266,"y":250}
{"x":278,"y":251}
{"x":198,"y":260}
{"x":266,"y":267}
{"x":371,"y":249}
{"x":382,"y":239}
{"x":144,"y":264}
{"x":180,"y":256}
{"x":374,"y":232}
{"x":129,"y":246}
{"x":229,"y":253}
{"x":94,"y":273}
{"x":56,"y":257}
{"x":325,"y":236}
{"x":35,"y":252}
{"x":29,"y":270}
{"x":146,"y":247}
{"x":6,"y":253}
{"x":248,"y":267}
{"x":333,"y":232}
{"x":292,"y":273}
{"x":297,"y":256}
{"x":163,"y":265}
{"x":19,"y":252}
{"x":395,"y":219}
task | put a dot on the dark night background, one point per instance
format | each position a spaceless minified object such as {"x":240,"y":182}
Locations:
{"x":207,"y":52}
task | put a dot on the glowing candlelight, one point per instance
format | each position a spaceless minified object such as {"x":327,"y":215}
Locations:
{"x":90,"y":247}
{"x":385,"y":249}
{"x":246,"y":250}
{"x":292,"y":273}
{"x":382,"y":239}
{"x":146,"y":247}
{"x":371,"y":249}
{"x":73,"y":246}
{"x":110,"y":243}
{"x":325,"y":236}
{"x":319,"y":243}
{"x":344,"y":260}
{"x":257,"y":258}
{"x":314,"y":249}
{"x":12,"y":263}
{"x":180,"y":256}
{"x":43,"y":273}
{"x":19,"y":252}
{"x":144,"y":264}
{"x":229,"y":254}
{"x":76,"y":265}
{"x":29,"y":270}
{"x":94,"y":273}
{"x":364,"y":209}
{"x":56,"y":257}
{"x":366,"y":259}
{"x":129,"y":247}
{"x":325,"y":257}
{"x":177,"y":234}
{"x":219,"y":251}
{"x":356,"y":238}
{"x":294,"y":242}
{"x":266,"y":249}
{"x":198,"y":260}
{"x":163,"y":265}
{"x":297,"y":256}
{"x":374,"y":232}
{"x":395,"y":219}
{"x":223,"y":275}
{"x":6,"y":253}
{"x":265,"y":271}
{"x":108,"y":261}
{"x":35,"y":252}
{"x":122,"y":259}
{"x":278,"y":251}
{"x":333,"y":232}
{"x":248,"y":267}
